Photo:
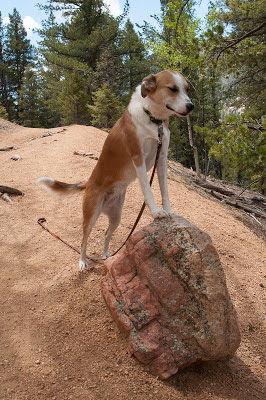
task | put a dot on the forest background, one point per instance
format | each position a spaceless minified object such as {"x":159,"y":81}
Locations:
{"x":85,"y":68}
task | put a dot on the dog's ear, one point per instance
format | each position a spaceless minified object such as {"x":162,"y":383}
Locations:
{"x":148,"y":85}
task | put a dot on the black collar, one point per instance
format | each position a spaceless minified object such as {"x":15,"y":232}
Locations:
{"x":159,"y":123}
{"x":152,"y":118}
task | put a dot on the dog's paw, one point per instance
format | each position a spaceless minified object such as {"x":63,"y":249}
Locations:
{"x":160,"y":214}
{"x":105,"y":255}
{"x":83,"y":264}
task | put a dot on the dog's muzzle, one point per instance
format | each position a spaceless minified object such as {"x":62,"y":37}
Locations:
{"x":189,"y":107}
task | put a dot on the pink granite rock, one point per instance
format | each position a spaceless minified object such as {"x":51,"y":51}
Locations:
{"x":168,"y":293}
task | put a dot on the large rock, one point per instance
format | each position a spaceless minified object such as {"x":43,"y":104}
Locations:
{"x":168,"y":293}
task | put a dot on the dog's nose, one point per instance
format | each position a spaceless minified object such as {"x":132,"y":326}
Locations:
{"x":189,"y":107}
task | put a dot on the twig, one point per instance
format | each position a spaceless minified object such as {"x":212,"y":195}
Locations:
{"x":7,"y":148}
{"x":250,"y":33}
{"x":10,"y":190}
{"x":255,"y":219}
{"x":257,"y":180}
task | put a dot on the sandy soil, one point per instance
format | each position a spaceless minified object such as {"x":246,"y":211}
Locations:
{"x":58,"y":340}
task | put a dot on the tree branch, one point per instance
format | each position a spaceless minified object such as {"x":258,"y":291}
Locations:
{"x":179,"y":16}
{"x":248,"y":34}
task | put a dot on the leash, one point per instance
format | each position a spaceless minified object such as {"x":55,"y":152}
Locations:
{"x":41,"y":221}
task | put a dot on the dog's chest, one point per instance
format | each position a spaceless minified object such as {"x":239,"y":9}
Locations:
{"x":149,"y":139}
{"x":150,"y":147}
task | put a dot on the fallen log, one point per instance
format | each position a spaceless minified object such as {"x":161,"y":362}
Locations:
{"x":238,"y":204}
{"x":10,"y":190}
{"x":210,"y":186}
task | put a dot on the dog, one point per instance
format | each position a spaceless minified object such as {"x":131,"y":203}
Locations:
{"x":128,"y":153}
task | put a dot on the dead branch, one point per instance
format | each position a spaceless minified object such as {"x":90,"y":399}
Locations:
{"x":215,"y":188}
{"x":10,"y":190}
{"x":237,"y":204}
{"x":7,"y":148}
{"x":257,"y":180}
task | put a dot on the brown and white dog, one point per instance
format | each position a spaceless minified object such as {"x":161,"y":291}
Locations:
{"x":129,"y":151}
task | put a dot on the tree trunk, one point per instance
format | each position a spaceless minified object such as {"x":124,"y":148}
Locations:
{"x":194,"y":148}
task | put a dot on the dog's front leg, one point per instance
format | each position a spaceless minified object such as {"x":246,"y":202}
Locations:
{"x":162,"y":176}
{"x":146,"y":190}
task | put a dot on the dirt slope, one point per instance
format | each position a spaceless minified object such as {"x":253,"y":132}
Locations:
{"x":58,"y":340}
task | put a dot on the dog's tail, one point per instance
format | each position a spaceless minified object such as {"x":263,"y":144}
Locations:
{"x":60,"y":188}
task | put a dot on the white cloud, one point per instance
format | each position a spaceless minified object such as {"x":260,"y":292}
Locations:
{"x":30,"y":24}
{"x":114,"y":7}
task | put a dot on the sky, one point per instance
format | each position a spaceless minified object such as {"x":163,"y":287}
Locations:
{"x":140,"y":10}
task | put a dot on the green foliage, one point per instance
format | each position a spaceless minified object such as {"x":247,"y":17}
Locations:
{"x":73,"y":99}
{"x":17,"y":54}
{"x":4,"y":101}
{"x":52,"y":87}
{"x":79,"y":41}
{"x":3,"y":113}
{"x":239,"y":144}
{"x":90,"y":64}
{"x":106,"y":108}
{"x":177,"y":46}
{"x":97,"y":45}
{"x":236,"y":35}
{"x":30,"y":100}
{"x":135,"y":60}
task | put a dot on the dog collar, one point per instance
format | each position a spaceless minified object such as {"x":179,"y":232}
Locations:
{"x":152,"y":118}
{"x":158,"y":122}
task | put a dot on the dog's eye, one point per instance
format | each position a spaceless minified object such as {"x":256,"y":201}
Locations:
{"x":173,"y":89}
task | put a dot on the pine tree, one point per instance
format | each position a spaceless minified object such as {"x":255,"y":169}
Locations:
{"x":52,"y":83}
{"x":79,"y":41}
{"x":4,"y":101}
{"x":136,"y":62}
{"x":73,"y":100}
{"x":18,"y":53}
{"x":123,"y":64}
{"x":30,"y":105}
{"x":106,"y":108}
{"x":78,"y":44}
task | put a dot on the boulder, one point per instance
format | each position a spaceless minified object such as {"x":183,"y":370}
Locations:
{"x":168,"y":293}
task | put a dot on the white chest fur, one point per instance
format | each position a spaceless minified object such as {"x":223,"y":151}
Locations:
{"x":146,"y":130}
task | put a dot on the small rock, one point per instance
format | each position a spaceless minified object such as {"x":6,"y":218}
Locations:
{"x":6,"y":198}
{"x":46,"y":135}
{"x":16,"y":157}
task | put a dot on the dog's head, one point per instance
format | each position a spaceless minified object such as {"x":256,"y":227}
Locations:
{"x":168,"y":89}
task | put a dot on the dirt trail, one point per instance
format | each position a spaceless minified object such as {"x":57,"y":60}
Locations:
{"x":58,"y":340}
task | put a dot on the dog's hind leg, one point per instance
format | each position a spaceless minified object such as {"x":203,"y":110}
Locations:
{"x":112,"y":207}
{"x":92,"y":208}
